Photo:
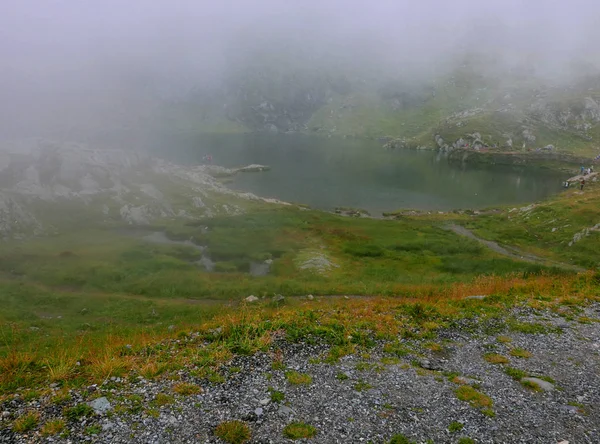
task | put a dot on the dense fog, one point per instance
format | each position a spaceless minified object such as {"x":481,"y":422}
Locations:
{"x":111,"y":63}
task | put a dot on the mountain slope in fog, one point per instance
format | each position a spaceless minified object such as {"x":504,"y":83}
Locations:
{"x":510,"y":109}
{"x":47,"y":187}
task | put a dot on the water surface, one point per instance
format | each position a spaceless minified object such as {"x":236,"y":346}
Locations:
{"x":334,"y":172}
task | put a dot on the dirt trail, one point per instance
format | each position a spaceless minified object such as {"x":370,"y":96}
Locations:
{"x":511,"y":251}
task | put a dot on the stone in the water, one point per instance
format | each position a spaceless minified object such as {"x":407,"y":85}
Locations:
{"x":251,"y":298}
{"x":253,"y":168}
{"x":100,"y":405}
{"x":544,"y":385}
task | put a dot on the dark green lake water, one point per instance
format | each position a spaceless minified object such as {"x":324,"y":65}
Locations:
{"x":327,"y":173}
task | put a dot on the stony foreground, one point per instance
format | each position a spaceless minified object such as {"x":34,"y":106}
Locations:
{"x":412,"y":388}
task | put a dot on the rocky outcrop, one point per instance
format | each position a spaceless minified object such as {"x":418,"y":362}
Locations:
{"x":39,"y":179}
{"x":554,"y":160}
{"x":253,"y":168}
{"x":15,"y":219}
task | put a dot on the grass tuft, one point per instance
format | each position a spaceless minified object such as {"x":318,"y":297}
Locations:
{"x":53,"y":427}
{"x":455,"y":426}
{"x":233,"y":432}
{"x":276,"y":395}
{"x":473,"y":397}
{"x":162,"y":399}
{"x":78,"y":411}
{"x":520,"y":353}
{"x":186,"y":389}
{"x":399,"y":439}
{"x":494,"y":358}
{"x":296,"y":378}
{"x":515,"y":373}
{"x":27,"y":422}
{"x":299,"y":430}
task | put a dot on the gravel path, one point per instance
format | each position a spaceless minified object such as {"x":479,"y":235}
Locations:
{"x":369,"y":396}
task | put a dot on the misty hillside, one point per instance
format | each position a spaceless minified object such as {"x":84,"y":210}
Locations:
{"x":512,"y":110}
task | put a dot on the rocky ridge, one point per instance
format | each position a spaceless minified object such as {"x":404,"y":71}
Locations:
{"x":39,"y":178}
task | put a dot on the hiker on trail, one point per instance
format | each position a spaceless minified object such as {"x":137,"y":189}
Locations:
{"x":566,"y":184}
{"x":582,"y":169}
{"x":582,"y":183}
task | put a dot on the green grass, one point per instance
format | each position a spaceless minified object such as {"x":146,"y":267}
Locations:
{"x":474,"y":397}
{"x":299,"y":430}
{"x":94,"y":429}
{"x":399,"y":439}
{"x":532,"y":385}
{"x":79,"y":411}
{"x":276,"y":395}
{"x":455,"y":426}
{"x":548,"y":228}
{"x":361,"y":386}
{"x":162,"y":399}
{"x":515,"y":373}
{"x":391,"y":254}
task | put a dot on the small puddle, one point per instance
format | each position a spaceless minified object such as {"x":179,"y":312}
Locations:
{"x":159,"y":237}
{"x":260,"y":268}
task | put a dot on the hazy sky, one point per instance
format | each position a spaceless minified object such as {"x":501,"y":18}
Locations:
{"x":53,"y":48}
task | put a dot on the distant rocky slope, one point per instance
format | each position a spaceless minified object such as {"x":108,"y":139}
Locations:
{"x":473,"y":106}
{"x":46,"y":185}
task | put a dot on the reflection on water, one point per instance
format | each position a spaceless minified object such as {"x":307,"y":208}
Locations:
{"x":327,"y":173}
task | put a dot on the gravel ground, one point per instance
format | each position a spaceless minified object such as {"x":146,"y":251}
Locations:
{"x":415,"y":396}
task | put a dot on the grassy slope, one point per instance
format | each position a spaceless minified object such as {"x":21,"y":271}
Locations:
{"x":99,"y":287}
{"x":367,"y":115}
{"x":372,"y":257}
{"x":550,"y":226}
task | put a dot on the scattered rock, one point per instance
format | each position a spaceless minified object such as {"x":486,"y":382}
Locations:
{"x":100,"y":405}
{"x":465,"y":380}
{"x":251,"y":299}
{"x":544,"y":385}
{"x":277,"y":298}
{"x":258,"y":411}
{"x":265,"y":401}
{"x":429,"y":365}
{"x":317,"y":262}
{"x":284,"y":410}
{"x":310,"y":297}
{"x":253,"y":168}
{"x":478,"y":296}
